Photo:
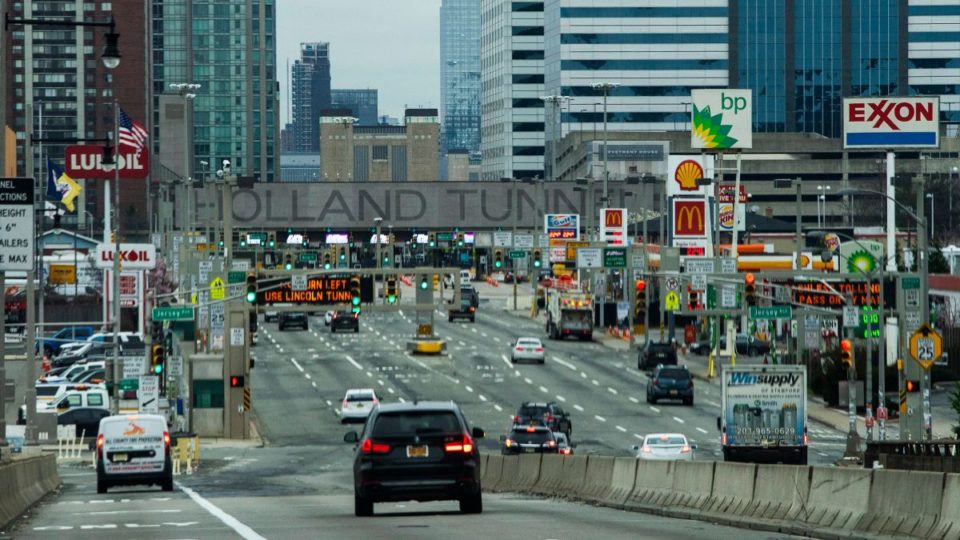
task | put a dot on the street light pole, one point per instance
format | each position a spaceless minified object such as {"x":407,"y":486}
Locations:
{"x":377,"y":221}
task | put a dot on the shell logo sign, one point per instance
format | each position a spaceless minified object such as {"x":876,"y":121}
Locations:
{"x":686,"y":174}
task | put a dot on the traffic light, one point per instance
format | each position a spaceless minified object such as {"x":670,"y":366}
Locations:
{"x":156,"y":359}
{"x":432,"y":240}
{"x":355,"y":293}
{"x":236,"y":381}
{"x":391,"y":292}
{"x":911,"y":386}
{"x":424,"y":283}
{"x":537,"y":260}
{"x":327,"y":260}
{"x":251,"y":288}
{"x":271,"y":239}
{"x":288,"y":261}
{"x":640,"y":307}
{"x":498,"y":258}
{"x":342,"y":255}
{"x":846,"y":353}
{"x":459,"y":239}
{"x":750,"y":289}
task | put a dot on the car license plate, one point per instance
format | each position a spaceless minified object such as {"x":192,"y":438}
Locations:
{"x":359,"y":405}
{"x":528,"y":450}
{"x":117,"y":458}
{"x":673,"y":392}
{"x":417,"y":451}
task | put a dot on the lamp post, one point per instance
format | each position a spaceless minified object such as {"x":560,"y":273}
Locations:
{"x":933,"y":222}
{"x":188,"y":92}
{"x":605,"y":86}
{"x":377,"y":221}
{"x":514,"y":210}
{"x":822,"y":205}
{"x":555,"y":122}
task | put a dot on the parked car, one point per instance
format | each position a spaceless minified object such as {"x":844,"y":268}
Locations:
{"x":748,"y":345}
{"x":70,"y":334}
{"x":655,"y":353}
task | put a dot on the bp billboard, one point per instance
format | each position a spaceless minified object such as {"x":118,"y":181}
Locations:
{"x":721,"y":118}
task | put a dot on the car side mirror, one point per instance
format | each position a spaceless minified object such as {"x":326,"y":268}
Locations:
{"x":477,"y":433}
{"x":351,"y":437}
{"x":693,"y":447}
{"x":636,"y":447}
{"x":503,"y":438}
{"x":718,"y":424}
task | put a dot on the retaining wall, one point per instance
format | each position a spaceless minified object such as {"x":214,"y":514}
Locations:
{"x":23,"y":482}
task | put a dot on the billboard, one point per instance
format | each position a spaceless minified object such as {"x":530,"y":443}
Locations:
{"x":891,"y":122}
{"x":85,"y":161}
{"x":683,"y":171}
{"x":689,"y":217}
{"x":613,"y":226}
{"x":722,"y":118}
{"x":562,"y":226}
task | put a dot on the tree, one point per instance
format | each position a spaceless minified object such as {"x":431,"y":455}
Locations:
{"x":938,"y":263}
{"x":955,"y":405}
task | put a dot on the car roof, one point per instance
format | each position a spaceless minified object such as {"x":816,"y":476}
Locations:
{"x":360,"y":391}
{"x":135,"y":416}
{"x":419,"y":406}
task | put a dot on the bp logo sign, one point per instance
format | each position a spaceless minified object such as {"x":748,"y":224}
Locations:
{"x":861,"y":261}
{"x":722,"y":119}
{"x":864,"y":256}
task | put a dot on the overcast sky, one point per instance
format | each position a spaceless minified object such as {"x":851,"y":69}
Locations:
{"x":390,"y":45}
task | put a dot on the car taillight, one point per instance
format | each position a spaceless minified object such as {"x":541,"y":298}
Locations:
{"x":518,"y":348}
{"x":539,"y":349}
{"x":509,"y":442}
{"x":344,"y":405}
{"x":516,"y":419}
{"x":370,"y":447}
{"x":376,"y":402}
{"x":531,"y":429}
{"x":565,"y":451}
{"x":685,"y":449}
{"x":646,"y":449}
{"x":99,"y":442}
{"x":551,"y":444}
{"x":465,"y":445}
{"x":166,"y":439}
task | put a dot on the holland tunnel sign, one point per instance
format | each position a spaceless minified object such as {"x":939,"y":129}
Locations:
{"x":428,"y":205}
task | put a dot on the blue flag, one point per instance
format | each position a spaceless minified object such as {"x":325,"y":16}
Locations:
{"x":54,"y":173}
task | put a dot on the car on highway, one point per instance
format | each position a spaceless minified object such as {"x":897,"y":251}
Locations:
{"x":665,"y":447}
{"x":133,"y":450}
{"x":421,"y":451}
{"x":655,"y":353}
{"x":548,"y":414}
{"x":670,"y":382}
{"x":527,"y":349}
{"x":328,"y":317}
{"x":564,"y":446}
{"x":357,"y":404}
{"x":464,"y":310}
{"x":271,"y":316}
{"x":293,"y":318}
{"x":345,"y":320}
{"x":529,"y":439}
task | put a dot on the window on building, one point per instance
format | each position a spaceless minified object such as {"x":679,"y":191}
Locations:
{"x":380,"y":153}
{"x":207,"y":393}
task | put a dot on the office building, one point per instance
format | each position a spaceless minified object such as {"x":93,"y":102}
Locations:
{"x":309,"y":94}
{"x":460,"y":75}
{"x":230,"y":49}
{"x":57,"y":72}
{"x":512,"y":75}
{"x":380,"y":153}
{"x":363,"y":103}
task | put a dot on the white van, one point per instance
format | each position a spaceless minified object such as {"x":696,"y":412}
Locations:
{"x":134,"y":450}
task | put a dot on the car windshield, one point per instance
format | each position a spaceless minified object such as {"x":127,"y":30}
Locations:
{"x":535,"y":437}
{"x":665,"y":440}
{"x":680,"y":374}
{"x":529,"y":342}
{"x":360,"y":397}
{"x":400,"y":424}
{"x":533,"y":410}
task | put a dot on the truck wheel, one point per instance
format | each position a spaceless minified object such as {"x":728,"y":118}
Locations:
{"x":803,"y":456}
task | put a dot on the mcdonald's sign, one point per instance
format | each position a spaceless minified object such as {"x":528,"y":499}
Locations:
{"x":614,"y":225}
{"x":689,"y":218}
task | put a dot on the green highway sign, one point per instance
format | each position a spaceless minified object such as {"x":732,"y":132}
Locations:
{"x":518,"y":254}
{"x":236,"y":276}
{"x":445,"y":236}
{"x":308,"y":256}
{"x":614,"y":257}
{"x":184,"y":313}
{"x":909,"y":283}
{"x":772,"y":312}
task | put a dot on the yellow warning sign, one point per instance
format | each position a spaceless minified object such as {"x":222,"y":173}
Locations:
{"x":217,"y":289}
{"x":672,"y":301}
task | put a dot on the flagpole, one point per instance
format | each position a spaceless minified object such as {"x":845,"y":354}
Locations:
{"x":115,"y":402}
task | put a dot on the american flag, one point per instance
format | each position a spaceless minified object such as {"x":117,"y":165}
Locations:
{"x":132,"y":133}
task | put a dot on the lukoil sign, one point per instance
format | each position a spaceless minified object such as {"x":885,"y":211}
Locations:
{"x":891,"y":122}
{"x":86,"y":161}
{"x":721,"y":118}
{"x":139,"y":256}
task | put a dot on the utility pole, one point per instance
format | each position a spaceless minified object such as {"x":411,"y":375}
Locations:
{"x":514,"y":209}
{"x":924,"y":267}
{"x":378,"y":221}
{"x":115,"y":372}
{"x":605,"y":201}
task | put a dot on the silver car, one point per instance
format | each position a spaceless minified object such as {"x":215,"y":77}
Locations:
{"x":527,"y":348}
{"x":665,"y":447}
{"x":357,"y":404}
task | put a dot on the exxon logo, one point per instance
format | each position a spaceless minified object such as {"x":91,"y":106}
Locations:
{"x":740,"y":378}
{"x":890,"y":113}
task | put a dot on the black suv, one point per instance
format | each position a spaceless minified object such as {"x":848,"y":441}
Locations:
{"x":655,"y":353}
{"x":345,"y":320}
{"x":545,"y":414}
{"x":528,"y":440}
{"x":416,"y":451}
{"x":287,"y":319}
{"x":670,"y":382}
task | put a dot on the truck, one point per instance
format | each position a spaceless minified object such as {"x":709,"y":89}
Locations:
{"x":764,"y":414}
{"x":569,"y":313}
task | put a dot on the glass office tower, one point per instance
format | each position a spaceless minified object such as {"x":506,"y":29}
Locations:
{"x":460,"y":74}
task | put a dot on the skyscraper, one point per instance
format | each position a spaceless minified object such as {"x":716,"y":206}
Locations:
{"x":460,"y":74}
{"x":230,"y":49}
{"x":363,"y":103}
{"x":310,"y":89}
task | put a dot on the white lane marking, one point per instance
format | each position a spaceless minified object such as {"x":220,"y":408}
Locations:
{"x":369,"y":374}
{"x":329,"y":403}
{"x":314,"y":384}
{"x":577,"y":407}
{"x":711,"y":403}
{"x":506,"y":360}
{"x":561,"y":399}
{"x":391,"y":390}
{"x":280,"y":348}
{"x":402,"y":400}
{"x":354,"y":362}
{"x":544,"y":390}
{"x":516,"y":373}
{"x":701,"y":430}
{"x":244,"y":531}
{"x":474,"y":330}
{"x":484,"y":334}
{"x":495,"y":338}
{"x":612,"y":390}
{"x":482,"y":397}
{"x":621,"y":429}
{"x":599,"y":418}
{"x":307,"y":375}
{"x":296,"y":365}
{"x":633,"y":399}
{"x":582,"y":374}
{"x":380,"y":381}
{"x":469,"y":388}
{"x":679,"y":420}
{"x":637,"y":435}
{"x":527,"y":380}
{"x":497,"y":407}
{"x":463,"y":344}
{"x":115,"y":512}
{"x":654,"y":409}
{"x":564,"y":363}
{"x":595,"y":382}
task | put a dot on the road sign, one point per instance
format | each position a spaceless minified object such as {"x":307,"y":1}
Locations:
{"x":673,"y":283}
{"x":698,"y":282}
{"x":728,"y":266}
{"x":926,"y":346}
{"x":133,"y":366}
{"x":672,"y":301}
{"x":234,"y":276}
{"x":518,"y":254}
{"x":639,"y":260}
{"x":523,"y":241}
{"x":572,"y":248}
{"x":615,"y":257}
{"x":16,"y":224}
{"x":175,"y":366}
{"x":308,"y":256}
{"x":237,"y":337}
{"x":543,"y":240}
{"x":148,"y":394}
{"x":910,"y":283}
{"x":911,"y":298}
{"x":217,"y":290}
{"x":851,"y":317}
{"x":218,"y":316}
{"x":180,"y":313}
{"x":298,"y":282}
{"x":699,"y":266}
{"x":772,"y":312}
{"x":728,"y":297}
{"x":502,"y":239}
{"x":589,"y":258}
{"x":204,"y":268}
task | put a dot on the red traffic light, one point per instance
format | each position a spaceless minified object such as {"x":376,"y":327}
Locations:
{"x":236,"y":381}
{"x":749,"y":279}
{"x":641,"y":285}
{"x":912,"y":386}
{"x":846,"y":346}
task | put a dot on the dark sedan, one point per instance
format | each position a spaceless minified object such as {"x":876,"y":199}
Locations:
{"x":670,"y":382}
{"x":345,"y":320}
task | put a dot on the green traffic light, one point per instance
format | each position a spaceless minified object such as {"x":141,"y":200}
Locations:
{"x":251,"y":296}
{"x":498,"y":264}
{"x":158,"y":369}
{"x":326,"y":266}
{"x":272,"y":243}
{"x":391,"y":299}
{"x":355,"y":300}
{"x":423,"y":284}
{"x":536,"y":263}
{"x":433,"y":244}
{"x":356,"y":309}
{"x":288,"y":266}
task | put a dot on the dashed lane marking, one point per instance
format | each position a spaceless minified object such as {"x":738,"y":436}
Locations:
{"x":391,"y":390}
{"x":639,"y":436}
{"x":612,"y":390}
{"x":506,"y":360}
{"x":561,"y":399}
{"x":297,"y":365}
{"x":654,"y":409}
{"x":633,"y":399}
{"x":469,"y":388}
{"x":679,"y":420}
{"x":595,"y":382}
{"x":354,"y":362}
{"x":307,"y":375}
{"x":577,"y":407}
{"x":599,"y":418}
{"x":497,"y":407}
{"x":701,"y":430}
{"x":564,"y":363}
{"x":544,"y":390}
{"x":621,"y":429}
{"x":527,"y":380}
{"x":482,"y":397}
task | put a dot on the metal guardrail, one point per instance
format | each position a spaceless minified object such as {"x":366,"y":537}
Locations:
{"x":946,"y":450}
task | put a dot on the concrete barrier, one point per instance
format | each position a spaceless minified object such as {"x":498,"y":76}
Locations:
{"x":490,"y":474}
{"x":949,"y":526}
{"x":528,"y":472}
{"x":551,"y":474}
{"x":838,"y":497}
{"x":733,"y":485}
{"x":24,"y":482}
{"x":904,"y":503}
{"x":780,"y":491}
{"x":574,"y":474}
{"x":598,"y":478}
{"x":652,"y":485}
{"x":622,"y":483}
{"x":508,"y":474}
{"x":692,"y":484}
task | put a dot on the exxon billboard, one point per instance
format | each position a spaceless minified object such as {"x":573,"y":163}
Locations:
{"x":896,"y":122}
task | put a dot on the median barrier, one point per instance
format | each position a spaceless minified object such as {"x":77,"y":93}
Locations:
{"x":949,"y":526}
{"x":838,"y":497}
{"x":551,"y":474}
{"x":692,"y":484}
{"x":575,"y":474}
{"x":490,"y":474}
{"x":528,"y":472}
{"x":622,"y":483}
{"x":653,"y":484}
{"x":598,"y":478}
{"x":904,"y":503}
{"x":732,"y":491}
{"x":508,"y":474}
{"x":24,"y":482}
{"x":780,"y":491}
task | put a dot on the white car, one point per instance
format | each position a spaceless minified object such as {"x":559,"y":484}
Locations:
{"x":527,"y":348}
{"x":134,"y":450}
{"x":665,"y":447}
{"x":328,"y":317}
{"x":357,"y":404}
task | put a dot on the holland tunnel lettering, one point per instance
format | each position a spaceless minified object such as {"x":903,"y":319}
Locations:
{"x":431,"y":205}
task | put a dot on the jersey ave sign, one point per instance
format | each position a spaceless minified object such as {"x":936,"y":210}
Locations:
{"x":926,"y":346}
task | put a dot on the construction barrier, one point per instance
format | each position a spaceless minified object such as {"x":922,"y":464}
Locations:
{"x":732,"y":488}
{"x":838,"y":497}
{"x":780,"y":491}
{"x":529,"y":472}
{"x":948,"y":527}
{"x":186,"y":455}
{"x":69,"y":444}
{"x":490,"y":473}
{"x":653,"y":484}
{"x":622,"y":483}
